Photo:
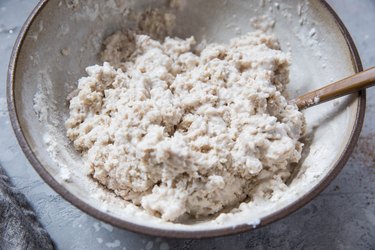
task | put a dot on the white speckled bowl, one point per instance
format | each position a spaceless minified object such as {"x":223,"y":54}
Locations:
{"x":61,"y":38}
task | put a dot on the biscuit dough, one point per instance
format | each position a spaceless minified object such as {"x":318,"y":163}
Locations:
{"x":182,"y":132}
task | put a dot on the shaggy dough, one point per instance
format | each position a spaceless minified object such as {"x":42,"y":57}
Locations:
{"x":185,"y":132}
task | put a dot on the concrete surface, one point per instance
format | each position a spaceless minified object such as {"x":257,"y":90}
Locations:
{"x":342,"y":217}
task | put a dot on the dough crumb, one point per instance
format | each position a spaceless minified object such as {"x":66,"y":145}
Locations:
{"x":186,"y":133}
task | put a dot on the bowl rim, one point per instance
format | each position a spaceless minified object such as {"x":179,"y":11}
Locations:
{"x":121,"y":223}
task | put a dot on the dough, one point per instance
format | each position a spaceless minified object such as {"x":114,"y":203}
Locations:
{"x":182,"y":132}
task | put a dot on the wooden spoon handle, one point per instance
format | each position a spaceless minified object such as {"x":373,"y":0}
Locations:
{"x":352,"y":84}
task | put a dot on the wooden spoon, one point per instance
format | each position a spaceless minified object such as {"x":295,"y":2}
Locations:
{"x":352,"y":84}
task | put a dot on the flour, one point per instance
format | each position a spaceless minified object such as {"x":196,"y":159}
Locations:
{"x":177,"y":4}
{"x":3,"y":107}
{"x":263,"y":23}
{"x":180,"y":133}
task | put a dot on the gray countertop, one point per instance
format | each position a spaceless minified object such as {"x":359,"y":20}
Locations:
{"x":342,"y":217}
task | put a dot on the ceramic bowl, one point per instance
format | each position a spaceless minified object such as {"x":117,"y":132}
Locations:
{"x":61,"y":38}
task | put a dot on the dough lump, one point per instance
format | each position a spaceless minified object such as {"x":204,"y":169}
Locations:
{"x":187,"y":132}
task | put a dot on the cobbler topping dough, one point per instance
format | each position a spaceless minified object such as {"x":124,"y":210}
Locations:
{"x":183,"y":132}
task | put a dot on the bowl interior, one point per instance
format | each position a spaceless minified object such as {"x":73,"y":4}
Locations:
{"x":66,"y":36}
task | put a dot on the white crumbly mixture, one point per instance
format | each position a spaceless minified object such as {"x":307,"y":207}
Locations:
{"x":183,"y":132}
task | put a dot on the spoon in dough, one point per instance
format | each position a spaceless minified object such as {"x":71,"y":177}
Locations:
{"x":349,"y":85}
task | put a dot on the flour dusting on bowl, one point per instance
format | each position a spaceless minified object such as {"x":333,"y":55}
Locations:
{"x":296,"y":24}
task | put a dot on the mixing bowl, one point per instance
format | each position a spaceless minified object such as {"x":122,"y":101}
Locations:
{"x":61,"y":38}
